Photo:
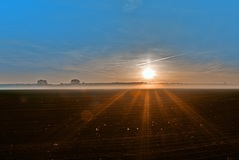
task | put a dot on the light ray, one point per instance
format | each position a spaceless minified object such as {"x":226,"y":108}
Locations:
{"x":145,"y":128}
{"x":71,"y":130}
{"x":198,"y":121}
{"x":161,"y":59}
{"x":160,"y":104}
{"x":132,"y":102}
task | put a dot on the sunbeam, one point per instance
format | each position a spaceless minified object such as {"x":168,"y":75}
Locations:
{"x":135,"y":96}
{"x":71,"y":130}
{"x":197,"y":120}
{"x":146,"y":131}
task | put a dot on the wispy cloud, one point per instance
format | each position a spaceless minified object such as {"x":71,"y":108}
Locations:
{"x":131,"y":5}
{"x":29,"y":55}
{"x":125,"y":66}
{"x":101,"y":64}
{"x":161,"y":59}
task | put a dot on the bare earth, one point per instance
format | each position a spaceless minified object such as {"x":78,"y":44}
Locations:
{"x":119,"y":124}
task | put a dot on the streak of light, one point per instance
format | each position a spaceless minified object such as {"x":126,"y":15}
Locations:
{"x":132,"y":102}
{"x":70,"y":131}
{"x":161,"y":59}
{"x":209,"y":131}
{"x":99,"y":109}
{"x":146,"y":131}
{"x":160,"y":103}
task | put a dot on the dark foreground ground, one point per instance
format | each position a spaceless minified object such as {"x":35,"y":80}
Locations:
{"x":119,"y":124}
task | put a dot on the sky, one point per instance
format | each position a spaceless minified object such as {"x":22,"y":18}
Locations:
{"x":115,"y":40}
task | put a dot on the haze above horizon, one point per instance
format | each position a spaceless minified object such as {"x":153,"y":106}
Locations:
{"x":115,"y":41}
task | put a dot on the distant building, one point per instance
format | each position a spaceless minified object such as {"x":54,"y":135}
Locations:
{"x":75,"y":81}
{"x":42,"y":82}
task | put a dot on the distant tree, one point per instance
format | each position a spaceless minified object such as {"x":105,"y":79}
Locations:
{"x":42,"y":82}
{"x":75,"y":81}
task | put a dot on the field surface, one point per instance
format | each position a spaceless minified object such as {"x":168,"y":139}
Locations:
{"x":119,"y":124}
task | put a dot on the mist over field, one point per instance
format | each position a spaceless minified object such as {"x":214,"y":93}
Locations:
{"x":120,"y":86}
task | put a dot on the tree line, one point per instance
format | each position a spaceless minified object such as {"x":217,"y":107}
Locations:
{"x":44,"y":82}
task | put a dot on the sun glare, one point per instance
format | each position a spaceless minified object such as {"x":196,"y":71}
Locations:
{"x":148,"y":73}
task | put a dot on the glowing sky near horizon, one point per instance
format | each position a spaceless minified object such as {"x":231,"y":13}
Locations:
{"x":113,"y":41}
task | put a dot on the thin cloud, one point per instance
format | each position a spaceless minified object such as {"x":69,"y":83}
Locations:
{"x":131,"y":5}
{"x":161,"y":59}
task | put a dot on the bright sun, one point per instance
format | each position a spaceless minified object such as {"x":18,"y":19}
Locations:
{"x":148,"y":73}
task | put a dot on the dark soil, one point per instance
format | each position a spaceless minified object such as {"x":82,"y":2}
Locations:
{"x":119,"y":124}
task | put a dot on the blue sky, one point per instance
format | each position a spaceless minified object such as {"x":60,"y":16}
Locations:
{"x":104,"y":41}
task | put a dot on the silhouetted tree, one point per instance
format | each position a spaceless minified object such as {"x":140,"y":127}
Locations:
{"x":75,"y":81}
{"x":42,"y":82}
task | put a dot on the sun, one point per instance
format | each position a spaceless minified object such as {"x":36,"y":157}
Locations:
{"x":148,"y":73}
